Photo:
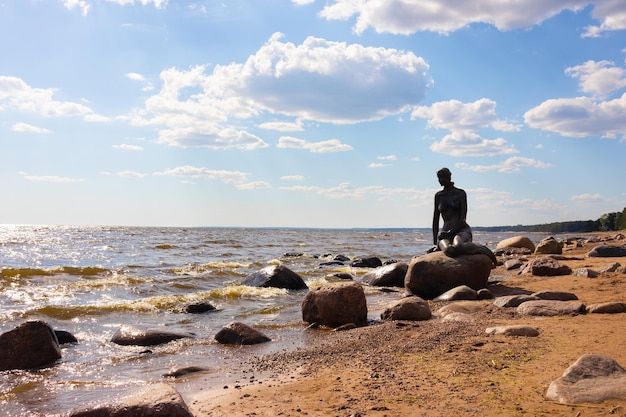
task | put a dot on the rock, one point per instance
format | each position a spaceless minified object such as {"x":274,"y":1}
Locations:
{"x":484,"y":294}
{"x":275,"y":276}
{"x":613,"y":307}
{"x":591,"y":379}
{"x":237,"y":333}
{"x":516,"y":330}
{"x":198,"y":308}
{"x":160,"y":400}
{"x":548,"y":246}
{"x":516,"y":242}
{"x":551,"y":308}
{"x":458,"y":316}
{"x":391,"y":275}
{"x":339,"y":276}
{"x":372,"y":262}
{"x":435,"y":273}
{"x":546,"y":267}
{"x":65,"y":337}
{"x":135,"y":336}
{"x":462,"y":307}
{"x":30,"y":345}
{"x":555,"y":295}
{"x":462,"y":292}
{"x":180,"y":372}
{"x":585,"y":272}
{"x":513,"y":251}
{"x":608,"y":251}
{"x":610,"y":268}
{"x":514,"y":300}
{"x":335,"y":304}
{"x":511,"y":264}
{"x":408,"y":308}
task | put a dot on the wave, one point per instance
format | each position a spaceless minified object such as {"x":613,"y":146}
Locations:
{"x":59,"y":270}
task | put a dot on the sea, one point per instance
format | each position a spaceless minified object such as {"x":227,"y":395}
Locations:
{"x":92,"y":280}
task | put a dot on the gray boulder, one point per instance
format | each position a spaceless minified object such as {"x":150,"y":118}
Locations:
{"x":275,"y":276}
{"x":546,"y":267}
{"x":408,"y":308}
{"x":462,"y":292}
{"x":136,"y":336}
{"x":30,"y":345}
{"x":549,"y":246}
{"x":551,"y":308}
{"x":335,"y":304}
{"x":514,"y":300}
{"x":160,"y":400}
{"x":513,"y":330}
{"x":555,"y":295}
{"x":391,"y":275}
{"x":608,"y":251}
{"x":611,"y":307}
{"x":433,"y":274}
{"x":238,"y":333}
{"x":591,"y":379}
{"x":516,"y":242}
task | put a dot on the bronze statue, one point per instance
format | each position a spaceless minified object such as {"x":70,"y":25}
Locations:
{"x":451,"y":205}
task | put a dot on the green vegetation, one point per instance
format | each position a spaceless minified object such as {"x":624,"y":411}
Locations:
{"x":606,"y":222}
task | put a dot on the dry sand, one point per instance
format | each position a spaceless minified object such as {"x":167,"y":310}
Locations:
{"x":441,"y":368}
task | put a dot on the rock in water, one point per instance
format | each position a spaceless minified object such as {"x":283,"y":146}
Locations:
{"x":391,"y":275}
{"x":433,"y":274}
{"x":238,"y":333}
{"x":134,"y":336}
{"x":30,"y":345}
{"x":275,"y":276}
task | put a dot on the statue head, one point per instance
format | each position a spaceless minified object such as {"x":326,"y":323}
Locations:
{"x":445,"y":176}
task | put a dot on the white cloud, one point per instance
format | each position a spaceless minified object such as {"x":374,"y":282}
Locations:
{"x":513,"y":164}
{"x":188,"y":171}
{"x":256,"y":185}
{"x":96,"y":118}
{"x":598,"y":78}
{"x":83,"y":5}
{"x":135,"y":76}
{"x":326,"y":146}
{"x":130,"y":174}
{"x":580,"y":117}
{"x":317,"y":80}
{"x":49,"y":178}
{"x":445,"y":16}
{"x":25,"y":127}
{"x":377,"y":165}
{"x":588,"y":198}
{"x":387,"y":158}
{"x":347,"y":190}
{"x":461,"y":143}
{"x":283,"y":126}
{"x":302,"y":2}
{"x":15,"y":93}
{"x":456,"y":115}
{"x":126,"y":147}
{"x":292,"y":177}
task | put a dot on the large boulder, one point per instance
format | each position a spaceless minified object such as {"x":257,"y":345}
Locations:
{"x":549,"y":246}
{"x":546,"y":266}
{"x":591,"y":379}
{"x":237,"y":333}
{"x":136,"y":336}
{"x":391,"y":275}
{"x":516,"y":242}
{"x":608,"y":251}
{"x":335,"y":304}
{"x":30,"y":345}
{"x":435,"y":273}
{"x":275,"y":276}
{"x":160,"y":400}
{"x":408,"y":308}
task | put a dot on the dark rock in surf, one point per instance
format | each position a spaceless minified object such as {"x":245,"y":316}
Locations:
{"x":238,"y":333}
{"x":160,"y":400}
{"x":180,"y":372}
{"x":391,"y":275}
{"x":30,"y":345}
{"x":335,"y":304}
{"x":372,"y":262}
{"x":198,"y":308}
{"x":275,"y":276}
{"x":135,"y":336}
{"x":65,"y":337}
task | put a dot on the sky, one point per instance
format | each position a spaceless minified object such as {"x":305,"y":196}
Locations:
{"x":309,"y":113}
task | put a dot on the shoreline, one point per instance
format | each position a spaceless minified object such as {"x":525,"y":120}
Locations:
{"x":436,"y":367}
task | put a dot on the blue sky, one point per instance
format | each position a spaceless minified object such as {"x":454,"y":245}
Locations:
{"x":310,"y":113}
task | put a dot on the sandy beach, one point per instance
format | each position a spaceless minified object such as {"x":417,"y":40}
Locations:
{"x":438,"y":367}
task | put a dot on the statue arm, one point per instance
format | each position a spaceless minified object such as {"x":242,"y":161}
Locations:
{"x":436,"y":215}
{"x":464,"y":206}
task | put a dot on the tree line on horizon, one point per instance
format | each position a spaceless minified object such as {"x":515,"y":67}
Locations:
{"x":606,"y":222}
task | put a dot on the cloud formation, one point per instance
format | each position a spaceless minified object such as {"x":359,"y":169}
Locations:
{"x":326,"y":146}
{"x":510,"y":165}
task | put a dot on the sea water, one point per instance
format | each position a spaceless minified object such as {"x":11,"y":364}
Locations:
{"x":90,"y":281}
